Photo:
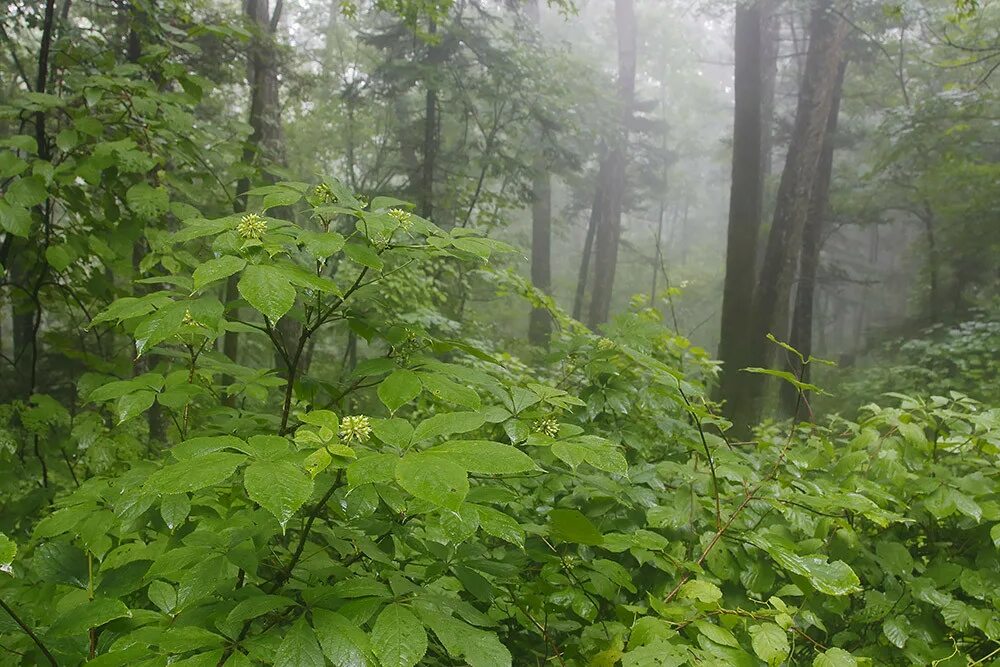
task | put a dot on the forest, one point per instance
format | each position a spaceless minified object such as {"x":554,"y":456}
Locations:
{"x":500,"y":333}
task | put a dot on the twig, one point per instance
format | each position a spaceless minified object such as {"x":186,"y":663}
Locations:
{"x":28,"y":631}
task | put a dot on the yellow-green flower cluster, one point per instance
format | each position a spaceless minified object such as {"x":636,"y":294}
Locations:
{"x":324,"y":192}
{"x":549,"y":427}
{"x":251,"y":226}
{"x":404,"y":218}
{"x":605,"y":344}
{"x":357,"y":428}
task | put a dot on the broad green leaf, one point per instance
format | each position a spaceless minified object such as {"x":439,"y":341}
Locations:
{"x":91,"y":614}
{"x":26,"y":192}
{"x":896,"y":630}
{"x":451,"y":392}
{"x":299,"y":647}
{"x":321,"y":244}
{"x":770,"y":643}
{"x":398,"y":637}
{"x":280,"y":487}
{"x":433,"y":479}
{"x":836,"y":578}
{"x":7,"y":552}
{"x":194,"y":474}
{"x":484,"y":456}
{"x":598,"y":452}
{"x":500,"y":525}
{"x":701,"y":590}
{"x":396,"y":432}
{"x":195,"y":447}
{"x":257,"y":605}
{"x":995,"y":535}
{"x":175,"y":509}
{"x":717,"y":633}
{"x":58,"y":257}
{"x":478,"y":648}
{"x":163,"y":595}
{"x":364,"y":255}
{"x":15,"y":219}
{"x":344,"y":643}
{"x":570,"y":525}
{"x":447,"y":423}
{"x":267,"y":289}
{"x":401,"y":387}
{"x":372,"y":468}
{"x":134,"y":404}
{"x":217,"y":269}
{"x":146,"y":201}
{"x":835,"y":657}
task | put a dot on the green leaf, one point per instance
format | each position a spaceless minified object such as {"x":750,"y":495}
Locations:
{"x":195,"y":474}
{"x":299,"y":648}
{"x":451,"y":392}
{"x":163,"y":595}
{"x":398,"y":637}
{"x":835,"y":657}
{"x":58,"y":257}
{"x":703,"y":591}
{"x":216,"y":269}
{"x":280,"y":487}
{"x":268,"y":290}
{"x":995,"y":535}
{"x":717,"y":633}
{"x":256,"y":606}
{"x":131,"y":405}
{"x":573,"y":526}
{"x":598,"y":452}
{"x":363,"y":255}
{"x":448,"y":423}
{"x":401,"y":387}
{"x":344,"y":644}
{"x":433,"y":479}
{"x":769,"y":642}
{"x":15,"y":219}
{"x":175,"y":509}
{"x":500,"y":525}
{"x":26,"y":192}
{"x":280,"y":196}
{"x":896,"y":630}
{"x":836,"y":578}
{"x":478,"y":648}
{"x":484,"y":456}
{"x":146,"y":201}
{"x":60,"y":563}
{"x":91,"y":614}
{"x":8,"y":550}
{"x":321,"y":244}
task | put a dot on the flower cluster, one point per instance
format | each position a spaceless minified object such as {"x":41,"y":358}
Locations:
{"x":404,"y":218}
{"x":189,"y":320}
{"x":324,"y":192}
{"x":357,"y":428}
{"x":251,"y":226}
{"x":605,"y":344}
{"x":380,"y":241}
{"x":549,"y":427}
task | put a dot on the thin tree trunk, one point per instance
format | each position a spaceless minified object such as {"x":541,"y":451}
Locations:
{"x":802,"y":315}
{"x":827,"y":33}
{"x":608,"y":232}
{"x":430,"y":129}
{"x":588,"y":243}
{"x":540,"y":324}
{"x":745,"y":204}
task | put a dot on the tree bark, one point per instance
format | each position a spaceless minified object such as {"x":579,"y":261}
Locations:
{"x":827,"y":33}
{"x":608,"y":231}
{"x":802,"y":315}
{"x":588,"y":243}
{"x":426,"y":194}
{"x":540,"y":324}
{"x":745,"y":207}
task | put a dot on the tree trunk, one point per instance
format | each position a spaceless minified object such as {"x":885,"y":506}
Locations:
{"x":540,"y":324}
{"x":426,"y":194}
{"x":609,"y":226}
{"x":826,"y":40}
{"x":588,"y":243}
{"x":745,"y":203}
{"x":802,"y":315}
{"x":265,"y":145}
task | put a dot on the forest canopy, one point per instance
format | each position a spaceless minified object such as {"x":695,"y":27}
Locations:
{"x":592,"y":333}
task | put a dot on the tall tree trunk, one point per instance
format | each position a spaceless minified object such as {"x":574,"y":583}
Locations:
{"x":265,"y":145}
{"x":745,"y":205}
{"x":812,"y":236}
{"x":540,"y":324}
{"x":426,"y":194}
{"x":827,"y":33}
{"x":609,"y":226}
{"x":588,"y":243}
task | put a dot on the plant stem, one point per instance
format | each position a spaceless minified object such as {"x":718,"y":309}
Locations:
{"x":28,"y":631}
